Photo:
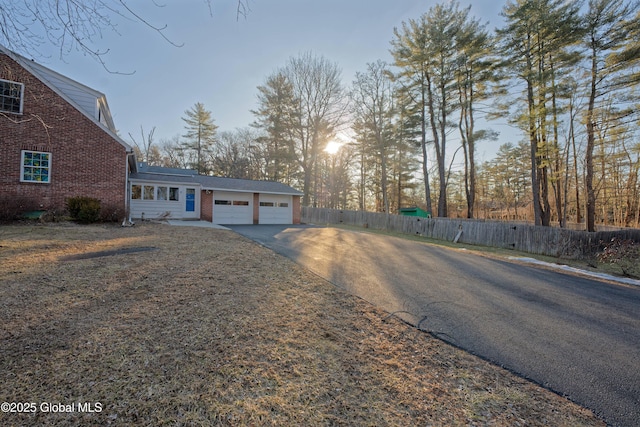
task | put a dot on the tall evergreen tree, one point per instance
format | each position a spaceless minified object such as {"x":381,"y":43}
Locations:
{"x":608,"y":25}
{"x":430,"y":53}
{"x":537,"y":35}
{"x":372,"y":97}
{"x":277,"y":116}
{"x":474,"y":73}
{"x":411,"y":57}
{"x":200,"y":138}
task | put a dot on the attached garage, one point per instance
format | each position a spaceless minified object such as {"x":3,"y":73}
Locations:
{"x":232,"y":208}
{"x":244,"y":201}
{"x":275,"y":209}
{"x":163,"y":193}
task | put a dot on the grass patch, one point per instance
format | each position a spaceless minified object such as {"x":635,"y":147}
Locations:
{"x":213,"y":329}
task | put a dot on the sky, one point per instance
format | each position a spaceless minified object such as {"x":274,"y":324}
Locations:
{"x":222,"y":58}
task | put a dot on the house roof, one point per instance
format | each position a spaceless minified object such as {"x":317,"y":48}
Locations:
{"x":143,"y":167}
{"x":211,"y":182}
{"x":245,"y":185}
{"x":88,"y":101}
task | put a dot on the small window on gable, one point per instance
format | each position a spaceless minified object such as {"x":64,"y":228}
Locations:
{"x":11,"y":94}
{"x":35,"y":166}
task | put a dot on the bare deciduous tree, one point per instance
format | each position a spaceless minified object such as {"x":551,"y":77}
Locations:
{"x":25,"y":25}
{"x":317,"y":87}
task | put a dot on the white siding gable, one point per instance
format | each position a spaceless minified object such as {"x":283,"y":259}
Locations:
{"x":84,"y":97}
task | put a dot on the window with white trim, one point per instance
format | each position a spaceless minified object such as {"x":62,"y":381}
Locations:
{"x":11,"y":94}
{"x":35,"y":166}
{"x":161,"y":193}
{"x":147,"y":192}
{"x":174,"y":193}
{"x":150,"y":192}
{"x":136,"y":192}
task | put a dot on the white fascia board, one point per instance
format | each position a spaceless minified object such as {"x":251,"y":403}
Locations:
{"x":162,"y":182}
{"x":230,"y":190}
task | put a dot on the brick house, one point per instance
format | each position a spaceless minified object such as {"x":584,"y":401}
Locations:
{"x":57,"y":140}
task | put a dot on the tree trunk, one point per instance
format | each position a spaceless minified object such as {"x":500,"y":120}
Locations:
{"x":591,"y":137}
{"x":425,"y":164}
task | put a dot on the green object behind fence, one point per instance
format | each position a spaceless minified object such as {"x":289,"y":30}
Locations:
{"x":415,"y":211}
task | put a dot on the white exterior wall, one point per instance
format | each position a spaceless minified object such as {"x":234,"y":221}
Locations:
{"x":173,"y":209}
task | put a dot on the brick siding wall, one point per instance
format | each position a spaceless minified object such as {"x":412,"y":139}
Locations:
{"x":85,"y":161}
{"x":256,"y":208}
{"x":206,"y":205}
{"x":297,"y":210}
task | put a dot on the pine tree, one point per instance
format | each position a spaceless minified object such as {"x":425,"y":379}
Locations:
{"x":200,"y":138}
{"x":276,"y":117}
{"x":373,"y":110}
{"x":608,"y":25}
{"x":536,"y":45}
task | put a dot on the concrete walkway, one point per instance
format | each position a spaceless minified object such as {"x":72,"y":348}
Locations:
{"x":189,"y":223}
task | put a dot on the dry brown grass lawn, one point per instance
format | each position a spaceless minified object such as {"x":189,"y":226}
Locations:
{"x":212,"y":329}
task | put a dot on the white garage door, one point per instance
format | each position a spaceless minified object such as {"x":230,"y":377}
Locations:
{"x":275,"y":209}
{"x":232,"y":208}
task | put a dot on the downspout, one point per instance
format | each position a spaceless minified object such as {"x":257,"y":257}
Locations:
{"x":127,"y":189}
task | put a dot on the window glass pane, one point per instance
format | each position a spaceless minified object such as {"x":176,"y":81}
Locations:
{"x":173,"y":193}
{"x":161,"y":193}
{"x":35,"y":166}
{"x":283,"y":205}
{"x":136,"y":192}
{"x":148,"y":192}
{"x":240,"y":203}
{"x":222,"y":202}
{"x":10,"y":95}
{"x":270,"y":204}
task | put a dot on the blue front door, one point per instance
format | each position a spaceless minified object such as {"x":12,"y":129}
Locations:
{"x":191,"y":200}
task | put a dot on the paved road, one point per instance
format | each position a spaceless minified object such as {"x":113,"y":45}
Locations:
{"x":577,"y":336}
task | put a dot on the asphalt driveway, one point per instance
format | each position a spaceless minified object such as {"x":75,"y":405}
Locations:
{"x":577,"y":336}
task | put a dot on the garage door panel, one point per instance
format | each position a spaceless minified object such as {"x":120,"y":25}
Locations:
{"x":232,"y":208}
{"x":275,"y":209}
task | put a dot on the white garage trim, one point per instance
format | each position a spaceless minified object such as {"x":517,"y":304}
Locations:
{"x":275,"y":209}
{"x":232,"y":207}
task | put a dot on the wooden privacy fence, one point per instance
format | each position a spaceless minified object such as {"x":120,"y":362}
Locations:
{"x":551,"y":241}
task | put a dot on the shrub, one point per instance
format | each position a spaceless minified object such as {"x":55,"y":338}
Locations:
{"x":624,"y":254}
{"x":111,"y":213}
{"x":84,"y":209}
{"x":13,"y":207}
{"x":52,"y":215}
